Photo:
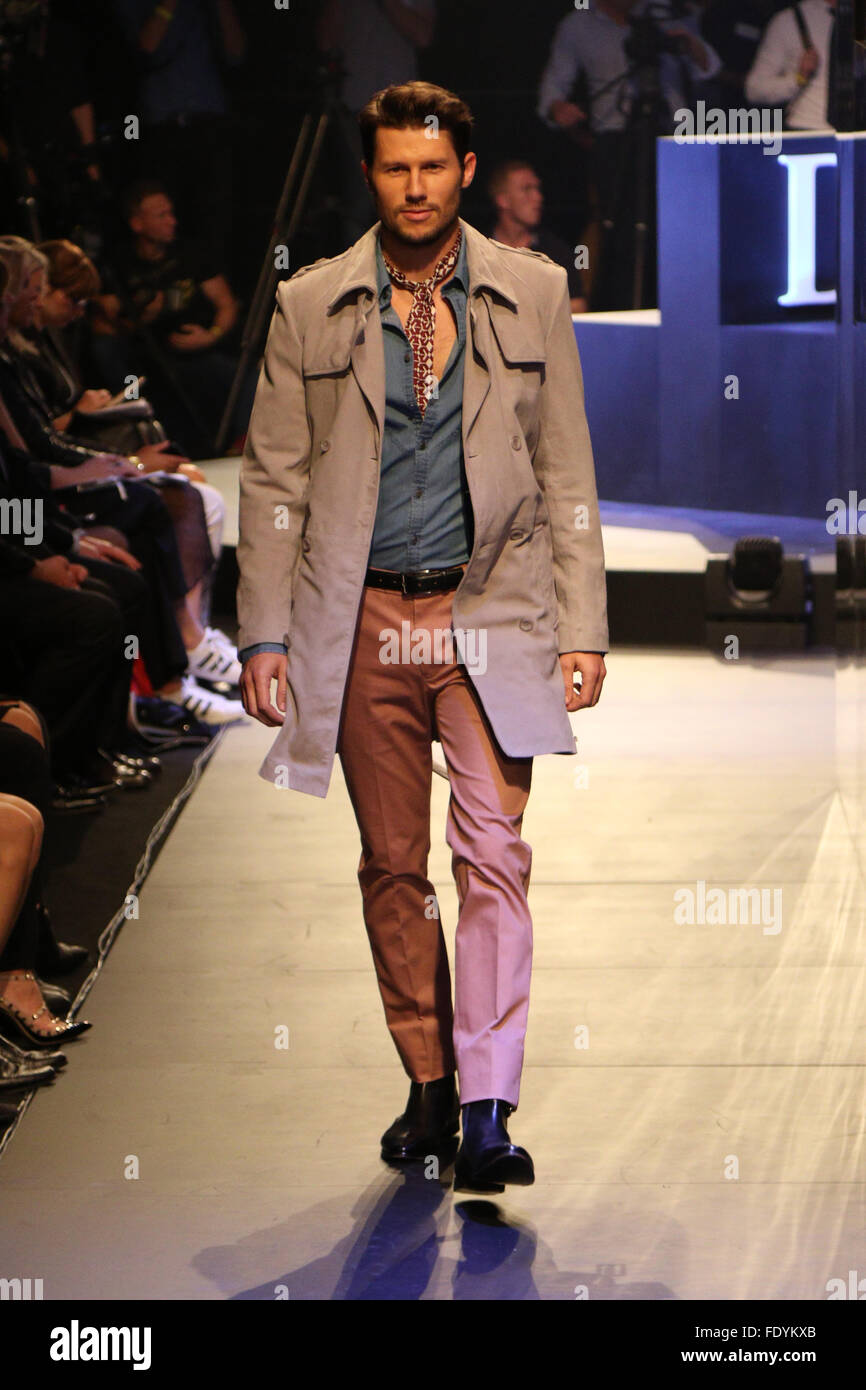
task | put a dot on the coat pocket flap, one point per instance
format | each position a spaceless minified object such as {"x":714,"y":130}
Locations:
{"x":520,"y":338}
{"x":329,"y":343}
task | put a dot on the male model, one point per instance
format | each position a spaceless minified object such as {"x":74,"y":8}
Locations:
{"x":420,"y":558}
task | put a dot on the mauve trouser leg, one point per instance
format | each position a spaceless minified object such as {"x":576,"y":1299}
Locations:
{"x":491,"y":864}
{"x":391,"y":713}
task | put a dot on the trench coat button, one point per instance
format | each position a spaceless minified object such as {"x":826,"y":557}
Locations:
{"x":516,"y":534}
{"x":526,"y":624}
{"x":305,"y":543}
{"x":515,"y":441}
{"x":325,"y":445}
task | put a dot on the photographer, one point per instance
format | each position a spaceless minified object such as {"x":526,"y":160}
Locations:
{"x":735,"y":28}
{"x":613,"y":47}
{"x":792,"y":66}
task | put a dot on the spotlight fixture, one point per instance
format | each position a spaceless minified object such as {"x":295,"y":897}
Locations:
{"x":759,"y":595}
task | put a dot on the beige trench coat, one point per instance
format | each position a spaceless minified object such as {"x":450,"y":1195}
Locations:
{"x":534,"y":585}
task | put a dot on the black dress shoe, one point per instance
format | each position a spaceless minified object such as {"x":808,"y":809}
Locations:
{"x":150,"y":764}
{"x":487,"y":1158}
{"x":123,"y":774}
{"x":70,"y":783}
{"x":431,"y":1117}
{"x":68,"y":799}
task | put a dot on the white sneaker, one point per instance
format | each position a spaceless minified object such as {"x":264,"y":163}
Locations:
{"x":211,"y":661}
{"x":206,"y":705}
{"x":222,"y":639}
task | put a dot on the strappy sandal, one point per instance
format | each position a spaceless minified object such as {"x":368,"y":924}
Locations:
{"x":16,"y":1024}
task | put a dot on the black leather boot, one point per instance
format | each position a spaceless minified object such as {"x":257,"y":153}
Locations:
{"x":486,"y":1156}
{"x":431,"y":1117}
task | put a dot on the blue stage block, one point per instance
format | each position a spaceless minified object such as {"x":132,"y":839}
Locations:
{"x":748,"y":392}
{"x":620,"y":378}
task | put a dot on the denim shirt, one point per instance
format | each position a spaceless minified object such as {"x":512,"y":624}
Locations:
{"x":424,"y":515}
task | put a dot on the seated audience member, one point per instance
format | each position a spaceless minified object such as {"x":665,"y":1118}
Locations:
{"x":72,"y":280}
{"x":170,"y":285}
{"x":67,"y":283}
{"x":515,"y":191}
{"x":26,"y":1017}
{"x":63,"y":650}
{"x":175,"y":572}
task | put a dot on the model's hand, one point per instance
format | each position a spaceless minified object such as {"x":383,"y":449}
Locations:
{"x":259,"y":670}
{"x":591,"y":667}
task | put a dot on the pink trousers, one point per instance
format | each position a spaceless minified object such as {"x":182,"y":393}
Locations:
{"x":405,"y":689}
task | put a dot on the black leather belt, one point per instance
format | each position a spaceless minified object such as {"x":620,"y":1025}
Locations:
{"x":415,"y":582}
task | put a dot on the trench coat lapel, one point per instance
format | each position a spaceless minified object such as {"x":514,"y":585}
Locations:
{"x":492,"y":310}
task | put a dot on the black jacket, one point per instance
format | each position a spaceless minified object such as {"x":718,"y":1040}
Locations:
{"x":22,"y":479}
{"x":23,"y":399}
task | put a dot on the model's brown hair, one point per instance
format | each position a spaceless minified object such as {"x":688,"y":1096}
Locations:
{"x":409,"y":104}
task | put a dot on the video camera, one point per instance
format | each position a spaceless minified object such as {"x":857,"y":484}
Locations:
{"x":647,"y":41}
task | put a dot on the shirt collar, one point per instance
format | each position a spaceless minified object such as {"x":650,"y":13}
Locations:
{"x":383,"y":279}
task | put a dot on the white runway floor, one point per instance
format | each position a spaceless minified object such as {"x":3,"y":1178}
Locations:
{"x":708,"y":1143}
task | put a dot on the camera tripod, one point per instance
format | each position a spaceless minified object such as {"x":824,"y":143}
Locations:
{"x":648,"y":118}
{"x":287,"y":218}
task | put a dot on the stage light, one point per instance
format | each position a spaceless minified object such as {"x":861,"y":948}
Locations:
{"x":760,"y":596}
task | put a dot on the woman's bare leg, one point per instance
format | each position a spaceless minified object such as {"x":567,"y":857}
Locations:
{"x":21,"y":828}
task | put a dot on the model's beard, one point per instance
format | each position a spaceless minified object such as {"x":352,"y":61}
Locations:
{"x":425,"y":234}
